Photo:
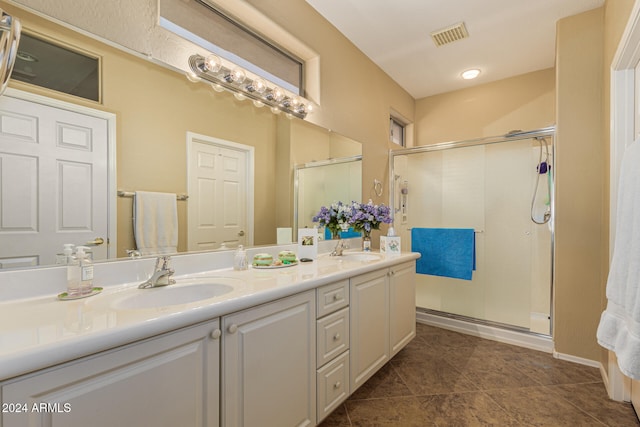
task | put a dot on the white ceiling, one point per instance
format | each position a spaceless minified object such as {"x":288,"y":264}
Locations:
{"x":506,"y":37}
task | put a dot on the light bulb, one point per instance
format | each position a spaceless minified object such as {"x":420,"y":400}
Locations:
{"x":258,"y":86}
{"x":236,"y":76}
{"x":192,"y":77}
{"x":258,"y":104}
{"x":276,"y":94}
{"x":217,"y":87}
{"x":239,"y":96}
{"x":212,"y":64}
{"x":275,"y":110}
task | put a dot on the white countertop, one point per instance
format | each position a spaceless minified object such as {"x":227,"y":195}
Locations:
{"x":42,"y":331}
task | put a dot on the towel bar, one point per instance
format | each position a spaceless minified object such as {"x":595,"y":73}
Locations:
{"x":475,"y":231}
{"x":122,"y":193}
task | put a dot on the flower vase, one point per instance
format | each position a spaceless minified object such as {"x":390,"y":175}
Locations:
{"x":335,"y":235}
{"x":366,"y":241}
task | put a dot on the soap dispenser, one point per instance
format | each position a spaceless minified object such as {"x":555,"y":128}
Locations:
{"x":240,"y":259}
{"x":65,"y":257}
{"x":86,"y":270}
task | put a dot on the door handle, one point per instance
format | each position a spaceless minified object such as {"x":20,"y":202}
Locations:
{"x":241,"y":233}
{"x":95,"y":242}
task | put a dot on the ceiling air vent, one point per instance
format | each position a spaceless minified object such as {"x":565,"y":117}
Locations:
{"x":450,"y":34}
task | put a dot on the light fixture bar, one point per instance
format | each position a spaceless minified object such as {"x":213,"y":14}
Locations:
{"x":235,"y":82}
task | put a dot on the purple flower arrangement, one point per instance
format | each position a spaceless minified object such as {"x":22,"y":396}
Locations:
{"x":367,"y":216}
{"x":363,"y":217}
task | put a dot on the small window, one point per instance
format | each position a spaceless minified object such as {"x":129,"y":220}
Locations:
{"x":50,"y":65}
{"x":396,"y":132}
{"x":202,"y":24}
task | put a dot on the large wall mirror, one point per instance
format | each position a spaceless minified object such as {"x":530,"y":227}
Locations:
{"x":156,"y":108}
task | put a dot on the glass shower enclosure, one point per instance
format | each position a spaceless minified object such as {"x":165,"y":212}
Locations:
{"x":502,"y":188}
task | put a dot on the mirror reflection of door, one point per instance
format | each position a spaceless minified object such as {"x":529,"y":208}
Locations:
{"x":219,"y":185}
{"x":53,"y":182}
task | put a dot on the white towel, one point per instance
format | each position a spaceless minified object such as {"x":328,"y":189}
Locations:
{"x":155,"y":222}
{"x":619,"y":329}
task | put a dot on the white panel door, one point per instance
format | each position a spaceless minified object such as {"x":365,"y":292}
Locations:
{"x":53,"y":182}
{"x":218,"y":186}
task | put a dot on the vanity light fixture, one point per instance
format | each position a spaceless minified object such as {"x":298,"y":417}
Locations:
{"x":210,"y":69}
{"x":470,"y":74}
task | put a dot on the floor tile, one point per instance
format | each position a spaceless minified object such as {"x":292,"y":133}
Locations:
{"x":538,"y":406}
{"x":592,"y":398}
{"x":448,"y":379}
{"x":465,"y":409}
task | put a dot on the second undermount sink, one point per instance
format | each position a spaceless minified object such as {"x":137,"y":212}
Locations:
{"x":360,"y":256}
{"x":185,"y":292}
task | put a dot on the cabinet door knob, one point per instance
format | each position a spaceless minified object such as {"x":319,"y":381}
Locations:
{"x":337,"y":385}
{"x":215,"y":334}
{"x":336,"y":337}
{"x":233,"y":328}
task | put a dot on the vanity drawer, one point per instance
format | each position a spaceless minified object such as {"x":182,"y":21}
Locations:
{"x":332,"y":334}
{"x":332,"y":297}
{"x":333,"y":385}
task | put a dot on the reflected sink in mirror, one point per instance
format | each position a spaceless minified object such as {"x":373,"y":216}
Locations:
{"x":184,"y":292}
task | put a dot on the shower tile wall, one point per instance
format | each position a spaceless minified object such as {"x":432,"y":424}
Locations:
{"x":487,"y":188}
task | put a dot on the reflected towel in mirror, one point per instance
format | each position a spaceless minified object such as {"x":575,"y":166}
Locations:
{"x":155,"y":222}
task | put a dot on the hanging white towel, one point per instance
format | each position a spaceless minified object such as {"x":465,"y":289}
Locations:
{"x":155,"y":222}
{"x":619,"y":329}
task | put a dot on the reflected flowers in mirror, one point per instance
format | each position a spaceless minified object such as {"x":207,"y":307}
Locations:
{"x":335,"y":217}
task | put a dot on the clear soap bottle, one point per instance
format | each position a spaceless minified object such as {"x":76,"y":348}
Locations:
{"x":85,"y":270}
{"x":240,"y":259}
{"x":73,"y":276}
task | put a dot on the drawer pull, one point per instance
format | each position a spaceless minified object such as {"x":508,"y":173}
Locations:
{"x":336,"y":297}
{"x":233,"y":328}
{"x":336,"y":337}
{"x":337,"y":385}
{"x":215,"y":334}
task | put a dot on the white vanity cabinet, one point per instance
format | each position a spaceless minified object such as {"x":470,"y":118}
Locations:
{"x":332,"y":334}
{"x":402,"y":306}
{"x":170,"y":380}
{"x":382,"y":319}
{"x":269,"y":364}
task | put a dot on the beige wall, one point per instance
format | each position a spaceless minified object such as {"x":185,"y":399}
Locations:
{"x":356,"y":97}
{"x":524,"y":102}
{"x":580,"y":186}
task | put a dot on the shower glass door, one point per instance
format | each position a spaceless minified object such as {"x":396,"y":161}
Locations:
{"x":494,"y":188}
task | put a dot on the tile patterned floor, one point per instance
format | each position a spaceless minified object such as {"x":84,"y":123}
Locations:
{"x":444,"y":378}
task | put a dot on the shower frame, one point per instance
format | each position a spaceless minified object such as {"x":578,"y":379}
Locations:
{"x":547,"y":132}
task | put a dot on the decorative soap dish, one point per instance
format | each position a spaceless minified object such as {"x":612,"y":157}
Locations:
{"x":66,"y":297}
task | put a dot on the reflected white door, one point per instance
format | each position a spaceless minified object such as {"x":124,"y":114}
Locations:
{"x":53,"y":182}
{"x":219,"y":185}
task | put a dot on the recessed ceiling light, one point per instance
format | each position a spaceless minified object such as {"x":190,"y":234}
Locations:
{"x":470,"y":74}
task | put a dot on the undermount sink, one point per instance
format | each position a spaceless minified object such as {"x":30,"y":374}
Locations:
{"x":184,"y":292}
{"x":360,"y":256}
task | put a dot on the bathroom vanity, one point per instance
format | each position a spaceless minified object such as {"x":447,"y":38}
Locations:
{"x":269,"y":347}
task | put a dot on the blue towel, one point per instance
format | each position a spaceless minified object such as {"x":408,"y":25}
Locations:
{"x":448,"y":252}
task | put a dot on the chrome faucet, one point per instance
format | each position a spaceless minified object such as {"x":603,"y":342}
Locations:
{"x":340,"y":247}
{"x":161,"y":275}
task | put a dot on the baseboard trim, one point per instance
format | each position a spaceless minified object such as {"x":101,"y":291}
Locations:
{"x":579,"y":360}
{"x":532,"y":341}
